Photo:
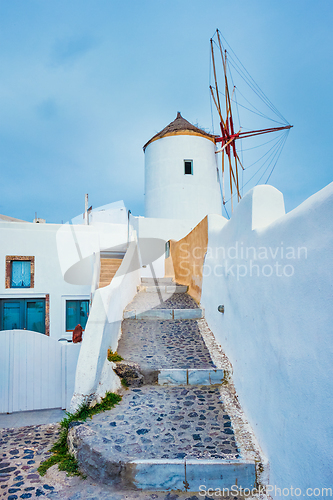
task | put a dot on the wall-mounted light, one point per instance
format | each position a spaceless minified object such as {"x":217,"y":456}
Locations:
{"x":221,"y":309}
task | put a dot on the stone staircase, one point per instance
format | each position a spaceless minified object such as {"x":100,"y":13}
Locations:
{"x":178,"y":425}
{"x":109,"y":267}
{"x":162,"y":299}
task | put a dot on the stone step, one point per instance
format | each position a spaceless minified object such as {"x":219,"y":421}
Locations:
{"x":110,"y":262}
{"x":108,"y":273}
{"x":156,"y":281}
{"x":164,"y":314}
{"x":89,"y":490}
{"x":156,"y":345}
{"x":136,"y":375}
{"x":109,"y":267}
{"x":190,"y":376}
{"x":162,"y":439}
{"x":102,"y":284}
{"x":173,"y":288}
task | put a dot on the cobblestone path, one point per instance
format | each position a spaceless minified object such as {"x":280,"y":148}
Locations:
{"x":162,"y":300}
{"x":165,"y":423}
{"x":22,"y":450}
{"x":151,"y":422}
{"x":164,"y":344}
{"x":160,"y":422}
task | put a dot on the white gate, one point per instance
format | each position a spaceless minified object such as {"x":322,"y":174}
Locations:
{"x":36,"y":371}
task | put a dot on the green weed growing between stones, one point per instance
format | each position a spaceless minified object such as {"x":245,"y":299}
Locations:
{"x":114,"y":356}
{"x":124,"y":383}
{"x":60,"y":454}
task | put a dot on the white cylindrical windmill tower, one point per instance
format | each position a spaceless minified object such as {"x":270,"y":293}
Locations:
{"x":181,"y":175}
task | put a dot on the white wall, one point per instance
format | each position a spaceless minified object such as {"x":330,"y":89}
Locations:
{"x":115,"y":213}
{"x":153,"y":234}
{"x":94,"y":374}
{"x":39,"y":240}
{"x":64,"y":261}
{"x":169,"y":193}
{"x":277,"y":330}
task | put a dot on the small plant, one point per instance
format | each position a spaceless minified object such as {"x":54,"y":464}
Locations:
{"x":124,"y":383}
{"x":114,"y":356}
{"x":60,"y":454}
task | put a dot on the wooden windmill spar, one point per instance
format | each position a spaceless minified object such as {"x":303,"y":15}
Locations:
{"x":228,"y":136}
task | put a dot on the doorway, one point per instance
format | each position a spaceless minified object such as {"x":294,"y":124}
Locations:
{"x":22,"y":314}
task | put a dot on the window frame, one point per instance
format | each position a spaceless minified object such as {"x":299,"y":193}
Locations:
{"x":191,"y":162}
{"x":23,"y":311}
{"x":74,"y":299}
{"x":16,"y":258}
{"x":167,"y":249}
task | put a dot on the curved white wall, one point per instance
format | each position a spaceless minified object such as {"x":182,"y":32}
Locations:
{"x":169,"y":193}
{"x":277,"y":329}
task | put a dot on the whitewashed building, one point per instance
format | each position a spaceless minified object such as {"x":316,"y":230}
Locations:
{"x":276,"y":325}
{"x":181,"y":174}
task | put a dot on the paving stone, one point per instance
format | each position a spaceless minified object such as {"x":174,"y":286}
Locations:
{"x":15,"y":477}
{"x":155,"y":344}
{"x":171,"y":416}
{"x":144,"y":301}
{"x":156,"y":423}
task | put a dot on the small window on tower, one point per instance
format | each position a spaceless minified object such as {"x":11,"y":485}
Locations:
{"x":188,"y":167}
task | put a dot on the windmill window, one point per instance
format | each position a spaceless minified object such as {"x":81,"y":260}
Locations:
{"x":188,"y":167}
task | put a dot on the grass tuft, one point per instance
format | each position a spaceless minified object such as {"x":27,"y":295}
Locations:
{"x":124,"y":383}
{"x":114,"y":356}
{"x":60,"y":454}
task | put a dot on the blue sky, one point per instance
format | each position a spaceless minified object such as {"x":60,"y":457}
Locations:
{"x":85,"y":83}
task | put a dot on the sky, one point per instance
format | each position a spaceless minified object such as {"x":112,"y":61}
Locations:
{"x":86,"y":83}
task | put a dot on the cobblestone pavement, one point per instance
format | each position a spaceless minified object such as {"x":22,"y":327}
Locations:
{"x":150,"y":422}
{"x":19,"y":478}
{"x":165,"y":422}
{"x":144,"y":301}
{"x":21,"y":452}
{"x":156,"y":344}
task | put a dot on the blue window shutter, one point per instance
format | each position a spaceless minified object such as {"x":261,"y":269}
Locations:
{"x":21,"y":274}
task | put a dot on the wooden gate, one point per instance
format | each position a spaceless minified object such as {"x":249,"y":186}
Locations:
{"x":36,"y":371}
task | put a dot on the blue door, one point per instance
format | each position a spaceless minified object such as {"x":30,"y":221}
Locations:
{"x":11,"y":315}
{"x":22,"y":314}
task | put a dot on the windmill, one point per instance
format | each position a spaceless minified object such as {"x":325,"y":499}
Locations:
{"x":230,"y":136}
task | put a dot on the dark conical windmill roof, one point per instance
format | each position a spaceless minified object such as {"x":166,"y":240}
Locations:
{"x":179,"y":126}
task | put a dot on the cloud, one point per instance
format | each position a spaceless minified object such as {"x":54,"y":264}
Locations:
{"x":68,"y":51}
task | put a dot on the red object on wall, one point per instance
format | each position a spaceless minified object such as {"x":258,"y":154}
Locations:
{"x":77,"y":334}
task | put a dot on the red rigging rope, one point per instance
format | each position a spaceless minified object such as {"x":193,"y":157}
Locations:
{"x":229,"y":134}
{"x":247,"y":77}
